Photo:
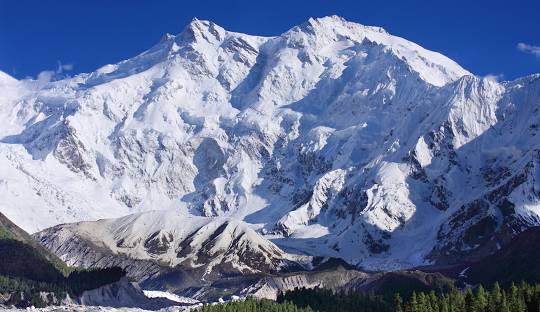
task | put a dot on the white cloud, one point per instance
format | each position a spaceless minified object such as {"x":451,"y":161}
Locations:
{"x":46,"y":76}
{"x":51,"y":75}
{"x":527,"y":48}
{"x":494,"y":77}
{"x":63,"y":67}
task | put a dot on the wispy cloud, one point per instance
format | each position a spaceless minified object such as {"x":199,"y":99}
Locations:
{"x":494,"y":77}
{"x":46,"y":76}
{"x":527,"y":48}
{"x":56,"y":74}
{"x":64,"y":67}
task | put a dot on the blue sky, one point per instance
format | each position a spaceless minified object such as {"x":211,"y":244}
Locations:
{"x":485,"y":37}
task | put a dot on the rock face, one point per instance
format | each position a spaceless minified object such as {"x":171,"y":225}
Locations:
{"x":333,"y":139}
{"x":337,"y":279}
{"x":122,"y":294}
{"x":163,"y":243}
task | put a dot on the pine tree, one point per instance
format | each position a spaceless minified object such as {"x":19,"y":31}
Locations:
{"x":444,"y":304}
{"x":481,"y":300}
{"x":520,"y":298}
{"x":469,"y":301}
{"x":398,"y":303}
{"x":504,"y":307}
{"x":414,"y":303}
{"x":495,"y":297}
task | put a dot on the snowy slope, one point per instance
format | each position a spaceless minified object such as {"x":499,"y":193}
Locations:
{"x":332,"y":139}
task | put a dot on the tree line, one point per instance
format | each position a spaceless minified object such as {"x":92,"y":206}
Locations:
{"x":522,"y":298}
{"x":517,"y":298}
{"x":253,"y":305}
{"x":26,"y":292}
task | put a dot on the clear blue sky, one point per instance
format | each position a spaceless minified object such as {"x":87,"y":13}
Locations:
{"x":482,"y":36}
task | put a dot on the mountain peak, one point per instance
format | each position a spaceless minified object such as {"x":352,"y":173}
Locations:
{"x":330,"y":34}
{"x":198,"y":30}
{"x":321,"y":33}
{"x":335,"y":20}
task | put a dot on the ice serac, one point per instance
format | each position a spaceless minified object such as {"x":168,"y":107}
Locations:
{"x":332,"y":139}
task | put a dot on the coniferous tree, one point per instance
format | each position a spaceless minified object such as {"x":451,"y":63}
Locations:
{"x":504,"y":303}
{"x":481,"y":300}
{"x":398,"y":303}
{"x":414,"y":303}
{"x":495,"y":298}
{"x":469,"y":300}
{"x":522,"y":298}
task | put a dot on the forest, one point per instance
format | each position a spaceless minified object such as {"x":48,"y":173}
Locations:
{"x":516,"y":298}
{"x":520,"y":298}
{"x":30,"y":275}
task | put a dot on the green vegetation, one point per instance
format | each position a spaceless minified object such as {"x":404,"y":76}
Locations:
{"x":522,"y":298}
{"x":29,"y":293}
{"x":4,"y":234}
{"x":26,"y":292}
{"x":8,"y":285}
{"x":11,"y":232}
{"x":253,"y":305}
{"x":32,"y":275}
{"x":325,"y":300}
{"x":20,"y":260}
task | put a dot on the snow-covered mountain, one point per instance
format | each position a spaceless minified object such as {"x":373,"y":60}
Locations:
{"x":333,"y":139}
